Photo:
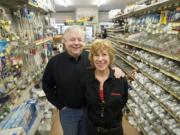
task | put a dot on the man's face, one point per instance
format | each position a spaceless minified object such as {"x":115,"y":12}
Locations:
{"x":74,"y":42}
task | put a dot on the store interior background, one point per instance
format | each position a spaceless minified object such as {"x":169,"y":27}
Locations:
{"x":79,"y":9}
{"x":145,"y":34}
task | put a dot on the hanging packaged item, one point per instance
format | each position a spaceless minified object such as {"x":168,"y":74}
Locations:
{"x":3,"y":45}
{"x":4,"y":70}
{"x":164,"y":17}
{"x":3,"y":96}
{"x":16,"y":60}
{"x":32,"y":51}
{"x":2,"y":12}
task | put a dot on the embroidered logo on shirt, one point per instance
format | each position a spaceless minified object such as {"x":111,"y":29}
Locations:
{"x":115,"y":94}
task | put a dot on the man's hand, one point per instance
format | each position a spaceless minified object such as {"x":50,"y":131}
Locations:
{"x":118,"y":72}
{"x":63,"y":108}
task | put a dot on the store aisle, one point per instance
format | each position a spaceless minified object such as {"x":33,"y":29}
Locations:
{"x":56,"y":127}
{"x":57,"y":130}
{"x":128,"y":129}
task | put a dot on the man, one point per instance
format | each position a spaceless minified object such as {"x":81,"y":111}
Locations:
{"x":61,"y":82}
{"x":104,"y":34}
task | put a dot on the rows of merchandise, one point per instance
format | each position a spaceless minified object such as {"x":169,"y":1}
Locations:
{"x":147,"y":39}
{"x":26,"y":37}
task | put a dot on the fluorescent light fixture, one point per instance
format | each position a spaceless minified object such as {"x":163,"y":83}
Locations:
{"x":68,"y":2}
{"x":99,"y":3}
{"x":65,"y":3}
{"x":61,"y":2}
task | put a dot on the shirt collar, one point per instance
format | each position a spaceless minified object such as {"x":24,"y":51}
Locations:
{"x":93,"y":78}
{"x":72,"y":58}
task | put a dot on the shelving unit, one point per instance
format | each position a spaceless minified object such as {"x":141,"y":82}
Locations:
{"x":42,"y":41}
{"x":16,"y":4}
{"x":175,"y":57}
{"x":150,"y":88}
{"x":168,"y":112}
{"x":165,"y":4}
{"x":136,"y":119}
{"x":36,"y":8}
{"x":165,"y":87}
{"x":13,"y":4}
{"x":29,"y":36}
{"x":155,"y":81}
{"x":35,"y":124}
{"x":152,"y":110}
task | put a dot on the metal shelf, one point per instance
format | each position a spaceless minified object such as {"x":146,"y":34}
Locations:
{"x":162,"y":105}
{"x":42,"y":41}
{"x":121,"y":57}
{"x":16,"y":4}
{"x":13,"y":4}
{"x":161,"y":69}
{"x":153,"y":8}
{"x":128,"y":53}
{"x":116,"y":30}
{"x":175,"y":57}
{"x":37,"y":42}
{"x":136,"y":119}
{"x":35,"y":124}
{"x":165,"y":126}
{"x":158,"y":6}
{"x":142,"y":111}
{"x":36,"y":8}
{"x":165,"y":87}
{"x":24,"y":93}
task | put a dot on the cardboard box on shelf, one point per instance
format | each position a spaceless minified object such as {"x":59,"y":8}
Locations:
{"x":57,"y":39}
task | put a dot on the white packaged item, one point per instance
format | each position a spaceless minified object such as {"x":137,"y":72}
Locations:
{"x":12,"y":131}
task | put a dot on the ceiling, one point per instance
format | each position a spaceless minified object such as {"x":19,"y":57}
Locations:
{"x":105,"y":5}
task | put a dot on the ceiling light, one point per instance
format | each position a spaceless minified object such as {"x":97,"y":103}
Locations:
{"x":99,"y":3}
{"x":68,"y":2}
{"x":61,"y":2}
{"x":65,"y":3}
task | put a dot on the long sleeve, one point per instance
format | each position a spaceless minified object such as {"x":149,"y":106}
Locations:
{"x":125,"y":96}
{"x":49,"y":86}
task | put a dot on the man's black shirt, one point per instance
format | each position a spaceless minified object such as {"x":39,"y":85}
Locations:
{"x":61,"y":80}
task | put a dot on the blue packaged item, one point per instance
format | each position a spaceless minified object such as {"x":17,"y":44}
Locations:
{"x":3,"y":45}
{"x":23,"y":116}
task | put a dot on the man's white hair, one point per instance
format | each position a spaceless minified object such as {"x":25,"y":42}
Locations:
{"x":74,"y":28}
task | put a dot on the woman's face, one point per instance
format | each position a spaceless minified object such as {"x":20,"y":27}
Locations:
{"x":101,"y":60}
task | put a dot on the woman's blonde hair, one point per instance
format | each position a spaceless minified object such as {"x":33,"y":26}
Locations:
{"x":100,"y":45}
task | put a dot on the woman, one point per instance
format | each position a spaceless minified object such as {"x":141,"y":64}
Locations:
{"x":105,"y":95}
